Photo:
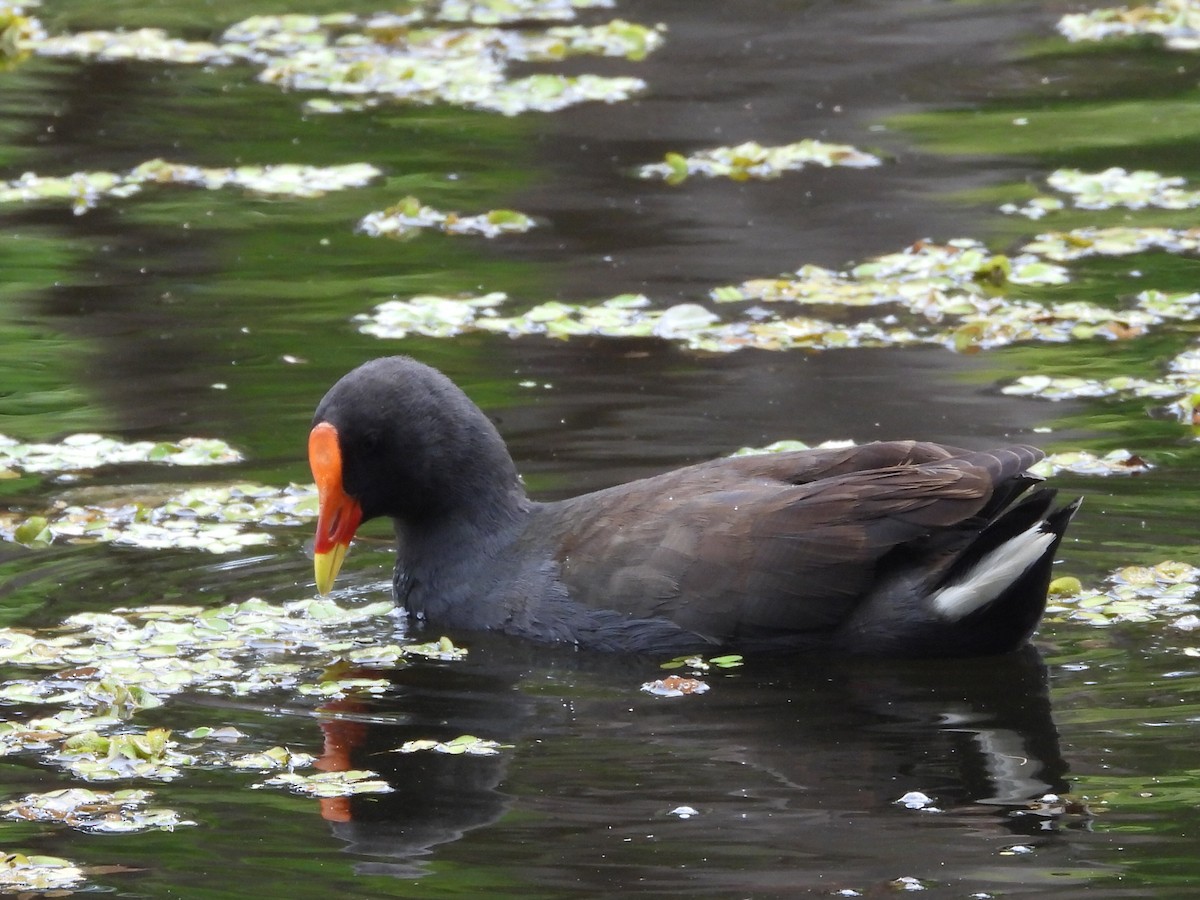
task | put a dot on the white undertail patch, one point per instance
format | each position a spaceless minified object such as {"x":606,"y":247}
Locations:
{"x":988,"y":578}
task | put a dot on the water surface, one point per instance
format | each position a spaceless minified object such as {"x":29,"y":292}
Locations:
{"x":219,"y":314}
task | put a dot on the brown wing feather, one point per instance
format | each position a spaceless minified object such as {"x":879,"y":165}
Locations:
{"x":786,"y":542}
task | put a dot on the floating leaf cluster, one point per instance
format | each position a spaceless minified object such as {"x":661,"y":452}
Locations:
{"x":20,"y":873}
{"x":133,"y":754}
{"x":1065,"y":246}
{"x":627,"y":315}
{"x":1181,"y":385}
{"x":949,"y":294}
{"x":89,"y":451}
{"x":1082,"y":462}
{"x":463,"y":745}
{"x":413,"y":57}
{"x":499,"y":12}
{"x":753,"y":160}
{"x":18,"y":32}
{"x":155,"y":651}
{"x":85,"y":190}
{"x":698,"y":664}
{"x":1111,"y":188}
{"x":101,"y":669}
{"x":95,"y":811}
{"x":330,"y":784}
{"x":957,"y":295}
{"x":1177,"y":22}
{"x":1164,"y":592}
{"x":217,"y":519}
{"x":338,"y":688}
{"x":675,"y":686}
{"x":409,"y":216}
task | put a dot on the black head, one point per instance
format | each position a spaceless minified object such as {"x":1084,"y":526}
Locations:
{"x":413,"y":446}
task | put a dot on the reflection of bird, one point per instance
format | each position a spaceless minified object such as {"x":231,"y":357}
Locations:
{"x":800,"y":761}
{"x":904,"y":548}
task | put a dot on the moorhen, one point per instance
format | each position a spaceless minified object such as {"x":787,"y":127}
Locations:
{"x":901,"y":548}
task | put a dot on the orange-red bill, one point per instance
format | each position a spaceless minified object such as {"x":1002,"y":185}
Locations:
{"x":338,"y":514}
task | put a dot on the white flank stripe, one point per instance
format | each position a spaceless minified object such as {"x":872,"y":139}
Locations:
{"x":987,"y":579}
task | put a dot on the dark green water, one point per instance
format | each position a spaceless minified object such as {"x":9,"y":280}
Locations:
{"x":122,"y":320}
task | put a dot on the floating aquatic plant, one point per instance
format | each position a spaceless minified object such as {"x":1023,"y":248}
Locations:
{"x":19,"y":33}
{"x":753,"y":160}
{"x":1164,"y":592}
{"x":273,"y":759}
{"x":1177,"y":22}
{"x":88,"y":451}
{"x":36,"y":873}
{"x":330,"y":784}
{"x":1111,"y":188}
{"x":214,"y":518}
{"x":1065,"y":246}
{"x":103,"y":668}
{"x":698,"y":664}
{"x":338,"y":688}
{"x":495,"y":12}
{"x":1083,"y":462}
{"x":99,"y":812}
{"x":960,"y":277}
{"x":675,"y":686}
{"x":98,"y":757}
{"x":385,"y":56}
{"x":85,"y":190}
{"x":949,"y":293}
{"x":463,"y":745}
{"x":409,"y":216}
{"x":1180,"y":384}
{"x":162,"y":650}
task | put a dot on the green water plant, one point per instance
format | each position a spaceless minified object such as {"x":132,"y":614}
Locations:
{"x":1112,"y":188}
{"x":93,"y":811}
{"x":440,"y":54}
{"x":752,"y":160}
{"x":1176,"y":22}
{"x":85,"y":190}
{"x":410,"y":216}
